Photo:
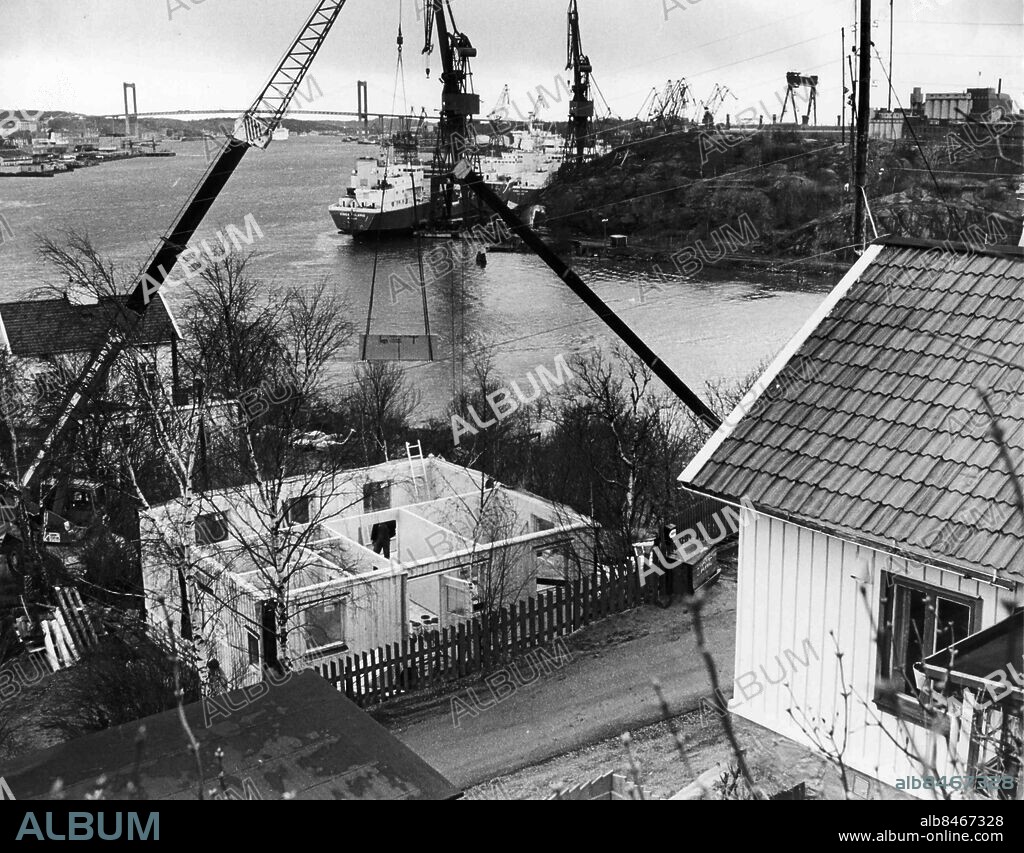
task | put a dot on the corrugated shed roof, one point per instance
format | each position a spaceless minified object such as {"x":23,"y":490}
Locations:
{"x":875,"y":427}
{"x":302,"y":737}
{"x":42,"y":327}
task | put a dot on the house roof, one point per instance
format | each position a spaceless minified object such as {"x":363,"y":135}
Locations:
{"x":42,"y":327}
{"x":870,"y":423}
{"x":302,"y":737}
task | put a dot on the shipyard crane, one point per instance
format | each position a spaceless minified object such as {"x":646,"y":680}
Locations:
{"x":472,"y":180}
{"x":501,"y":110}
{"x":580,"y":145}
{"x":714,"y":102}
{"x":456,"y":134}
{"x":669,"y":106}
{"x":795,"y":81}
{"x":254,"y":129}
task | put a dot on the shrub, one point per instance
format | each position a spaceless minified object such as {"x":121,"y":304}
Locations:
{"x":121,"y":679}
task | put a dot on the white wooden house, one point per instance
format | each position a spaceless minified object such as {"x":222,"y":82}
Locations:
{"x":883,"y":528}
{"x":371,"y":557}
{"x":51,"y":334}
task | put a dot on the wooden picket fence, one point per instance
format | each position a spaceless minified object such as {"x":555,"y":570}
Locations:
{"x":487,"y":641}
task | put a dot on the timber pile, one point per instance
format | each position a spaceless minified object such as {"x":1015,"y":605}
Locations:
{"x":66,"y":632}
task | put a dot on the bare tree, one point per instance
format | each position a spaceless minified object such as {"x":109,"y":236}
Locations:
{"x":613,"y":423}
{"x":381,"y":406}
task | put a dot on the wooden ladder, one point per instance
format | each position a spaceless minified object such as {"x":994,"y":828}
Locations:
{"x":414,"y":453}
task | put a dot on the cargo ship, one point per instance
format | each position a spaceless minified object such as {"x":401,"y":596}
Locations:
{"x":525,"y":166}
{"x":383,"y":198}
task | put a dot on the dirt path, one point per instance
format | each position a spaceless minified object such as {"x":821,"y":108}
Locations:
{"x":596,"y":686}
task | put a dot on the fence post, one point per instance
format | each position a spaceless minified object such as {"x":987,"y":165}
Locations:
{"x":503,"y":635}
{"x":560,"y":612}
{"x":460,"y":656}
{"x":513,"y":631}
{"x":365,"y":686}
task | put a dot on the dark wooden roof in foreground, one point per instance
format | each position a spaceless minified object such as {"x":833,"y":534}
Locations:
{"x":871,"y":424}
{"x":984,"y":658}
{"x":42,"y":327}
{"x":302,"y":737}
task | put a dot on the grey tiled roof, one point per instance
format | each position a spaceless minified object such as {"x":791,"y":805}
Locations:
{"x":875,"y":426}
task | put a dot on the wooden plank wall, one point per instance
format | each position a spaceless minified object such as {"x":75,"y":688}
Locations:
{"x":800,"y":605}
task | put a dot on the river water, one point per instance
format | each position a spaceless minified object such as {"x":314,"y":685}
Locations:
{"x":716,"y":325}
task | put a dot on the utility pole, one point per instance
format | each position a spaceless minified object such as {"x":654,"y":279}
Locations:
{"x":842,"y":108}
{"x":863,"y":113}
{"x":891,"y":24}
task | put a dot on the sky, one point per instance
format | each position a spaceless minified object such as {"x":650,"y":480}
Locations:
{"x":204,"y":54}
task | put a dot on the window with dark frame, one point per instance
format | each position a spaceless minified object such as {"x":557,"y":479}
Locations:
{"x":376,"y":496}
{"x":917,"y":620}
{"x":211,"y":528}
{"x":326,"y":626}
{"x":298,"y":510}
{"x":254,"y":648}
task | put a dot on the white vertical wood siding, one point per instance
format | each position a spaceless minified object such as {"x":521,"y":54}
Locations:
{"x":798,"y":604}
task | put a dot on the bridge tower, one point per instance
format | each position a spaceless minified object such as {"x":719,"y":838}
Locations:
{"x":131,"y":114}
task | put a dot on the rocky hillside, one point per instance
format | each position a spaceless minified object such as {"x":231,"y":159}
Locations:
{"x":793,"y":186}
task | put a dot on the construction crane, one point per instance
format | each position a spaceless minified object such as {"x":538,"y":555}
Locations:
{"x":714,"y":102}
{"x":254,"y":129}
{"x":456,"y":134}
{"x":471,"y":180}
{"x":795,"y":81}
{"x":580,"y":144}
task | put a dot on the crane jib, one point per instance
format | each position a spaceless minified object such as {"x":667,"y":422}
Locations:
{"x":473,"y":181}
{"x":254,"y":129}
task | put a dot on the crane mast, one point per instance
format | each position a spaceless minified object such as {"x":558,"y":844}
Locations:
{"x":254,"y":129}
{"x":580,"y":145}
{"x":456,"y":134}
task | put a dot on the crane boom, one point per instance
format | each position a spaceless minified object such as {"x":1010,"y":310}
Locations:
{"x":254,"y":129}
{"x":474,"y":182}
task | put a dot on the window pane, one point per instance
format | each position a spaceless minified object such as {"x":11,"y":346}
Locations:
{"x":298,"y":511}
{"x":376,"y":497}
{"x":211,"y":528}
{"x":325,"y":624}
{"x":952,"y":622}
{"x":914,"y":651}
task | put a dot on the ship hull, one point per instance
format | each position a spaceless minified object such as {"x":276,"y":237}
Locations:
{"x":365,"y":223}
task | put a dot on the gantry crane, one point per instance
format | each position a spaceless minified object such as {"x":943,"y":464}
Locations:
{"x":794,"y":81}
{"x":456,"y":134}
{"x":580,"y":143}
{"x":254,"y":129}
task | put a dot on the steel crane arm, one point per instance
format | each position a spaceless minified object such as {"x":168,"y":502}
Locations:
{"x":474,"y":182}
{"x":254,"y":129}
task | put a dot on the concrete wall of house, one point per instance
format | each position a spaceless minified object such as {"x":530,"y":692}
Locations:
{"x":797,"y":590}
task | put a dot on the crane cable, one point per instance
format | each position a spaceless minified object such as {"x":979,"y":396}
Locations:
{"x":399,"y":80}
